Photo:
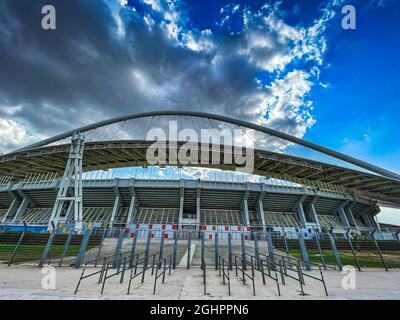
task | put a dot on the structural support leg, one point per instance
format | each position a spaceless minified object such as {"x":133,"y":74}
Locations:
{"x":301,"y":215}
{"x":82,"y":249}
{"x":343,"y":217}
{"x":304,"y":251}
{"x":216,"y":250}
{"x":12,"y":209}
{"x":133,"y":249}
{"x":256,"y":252}
{"x":230,"y":250}
{"x":189,"y":249}
{"x":161,"y":255}
{"x":118,"y":247}
{"x":243,"y":250}
{"x":72,"y":178}
{"x":47,"y":248}
{"x":176,"y":238}
{"x":314,"y":216}
{"x":335,"y":251}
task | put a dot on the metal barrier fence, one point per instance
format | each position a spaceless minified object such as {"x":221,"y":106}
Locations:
{"x":158,"y":275}
{"x":223,"y":270}
{"x":72,"y":249}
{"x":242,"y":269}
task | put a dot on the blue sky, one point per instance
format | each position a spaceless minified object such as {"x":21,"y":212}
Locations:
{"x":359,"y":111}
{"x":284,"y":64}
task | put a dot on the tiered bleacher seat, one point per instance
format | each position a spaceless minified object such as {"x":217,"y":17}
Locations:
{"x":221,"y":217}
{"x":328,"y":221}
{"x":3,"y":212}
{"x":281,"y":219}
{"x":254,"y":220}
{"x":96,"y":214}
{"x":121,"y":217}
{"x":37,"y":215}
{"x":156,"y":215}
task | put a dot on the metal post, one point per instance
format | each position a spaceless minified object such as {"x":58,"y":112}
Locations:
{"x":380,"y":254}
{"x":202,"y":250}
{"x":66,"y":246}
{"x":175,"y":248}
{"x":352,"y":249}
{"x":47,"y":248}
{"x":270,"y":246}
{"x":216,"y":250}
{"x":243,"y":251}
{"x":285,"y":242}
{"x":335,"y":251}
{"x":304,"y":251}
{"x":146,"y":255}
{"x":100,"y":246}
{"x":230,"y":250}
{"x":189,"y":249}
{"x":82,"y":249}
{"x":18,"y":244}
{"x":256,"y":252}
{"x":161,"y":255}
{"x":118,"y":247}
{"x":133,"y":250}
{"x":321,"y":254}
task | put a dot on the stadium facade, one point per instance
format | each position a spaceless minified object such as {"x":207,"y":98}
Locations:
{"x":308,"y":187}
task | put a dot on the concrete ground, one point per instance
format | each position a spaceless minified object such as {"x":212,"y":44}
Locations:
{"x":25,"y":281}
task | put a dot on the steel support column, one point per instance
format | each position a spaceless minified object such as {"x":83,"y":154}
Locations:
{"x":198,"y":207}
{"x":260,"y":207}
{"x":72,"y":178}
{"x":245,"y":208}
{"x":313,"y":212}
{"x":133,"y":204}
{"x":335,"y":251}
{"x":117,"y":203}
{"x":304,"y":251}
{"x":300,"y":211}
{"x":181,"y":203}
{"x":13,"y":207}
{"x":342,"y":215}
{"x":350,"y":216}
{"x":82,"y":249}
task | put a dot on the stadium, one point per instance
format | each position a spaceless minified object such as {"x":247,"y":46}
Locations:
{"x":302,"y":207}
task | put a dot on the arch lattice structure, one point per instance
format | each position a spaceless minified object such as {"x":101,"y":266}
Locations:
{"x":123,"y":142}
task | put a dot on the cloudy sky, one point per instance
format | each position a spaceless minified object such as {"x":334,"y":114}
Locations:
{"x":286,"y":64}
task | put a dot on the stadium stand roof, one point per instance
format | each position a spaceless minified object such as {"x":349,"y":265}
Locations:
{"x":122,"y":142}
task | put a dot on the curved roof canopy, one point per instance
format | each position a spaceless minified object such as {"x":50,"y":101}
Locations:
{"x":123,"y":141}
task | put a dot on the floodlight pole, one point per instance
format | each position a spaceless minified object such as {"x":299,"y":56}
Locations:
{"x":72,"y":178}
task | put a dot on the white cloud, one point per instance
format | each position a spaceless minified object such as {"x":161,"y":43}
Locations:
{"x":13,"y":134}
{"x":287,"y":108}
{"x":122,"y":62}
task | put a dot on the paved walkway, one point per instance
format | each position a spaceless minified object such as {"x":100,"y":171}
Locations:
{"x":25,"y":282}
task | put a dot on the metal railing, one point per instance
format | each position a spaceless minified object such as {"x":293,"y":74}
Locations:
{"x":242,"y":269}
{"x":285,"y":264}
{"x":146,"y":267}
{"x":223,"y":270}
{"x":162,"y":274}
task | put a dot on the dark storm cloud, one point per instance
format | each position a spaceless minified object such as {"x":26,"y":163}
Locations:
{"x":105,"y":60}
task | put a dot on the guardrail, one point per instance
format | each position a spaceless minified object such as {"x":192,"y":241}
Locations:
{"x":101,"y":272}
{"x":224,"y":271}
{"x":204,"y":268}
{"x":108,"y":262}
{"x":158,"y":275}
{"x":146,"y":266}
{"x":286,"y":264}
{"x":241,"y":268}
